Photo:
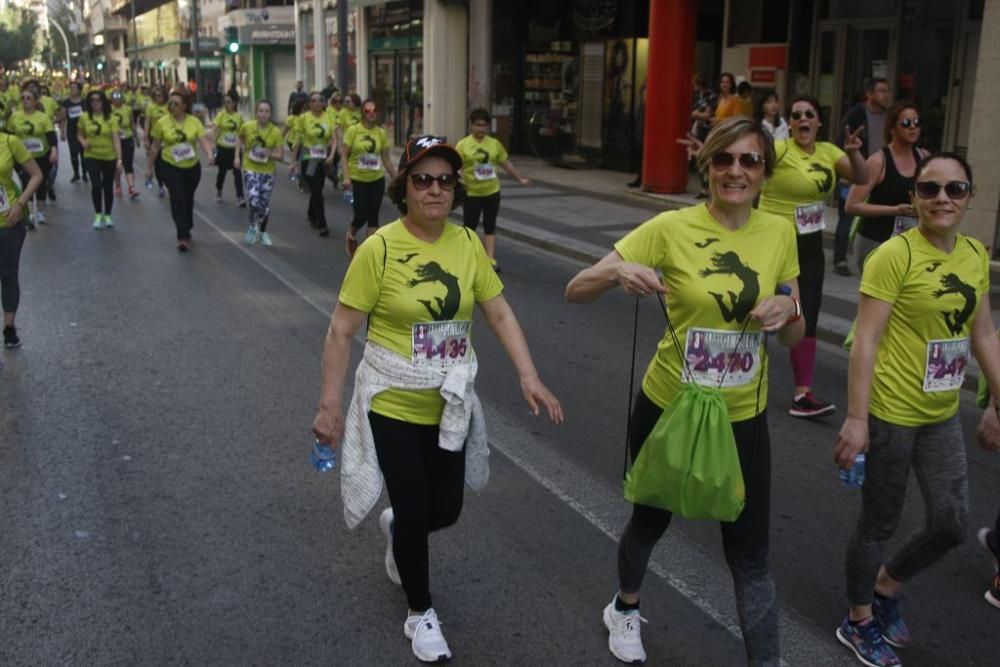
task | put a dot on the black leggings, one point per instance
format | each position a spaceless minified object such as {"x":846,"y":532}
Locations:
{"x":367,"y":203}
{"x":11,"y":242}
{"x":158,"y":164}
{"x":128,"y":155}
{"x":488,"y":207}
{"x":313,"y":173}
{"x":182,"y":184}
{"x":102,"y":179}
{"x":224,"y":160}
{"x":812,"y":270}
{"x":46,"y":168}
{"x":744,"y":541}
{"x":426,"y":487}
{"x":75,"y":150}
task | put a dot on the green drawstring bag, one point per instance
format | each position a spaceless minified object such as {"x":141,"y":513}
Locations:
{"x":689,"y":463}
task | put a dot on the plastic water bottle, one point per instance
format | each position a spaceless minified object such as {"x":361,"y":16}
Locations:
{"x":323,"y":456}
{"x":855,"y":477}
{"x":349,"y":196}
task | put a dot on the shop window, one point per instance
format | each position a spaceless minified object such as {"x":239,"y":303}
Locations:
{"x":758,"y":22}
{"x":859,"y":9}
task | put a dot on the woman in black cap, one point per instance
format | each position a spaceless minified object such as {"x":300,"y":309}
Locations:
{"x":414,"y":418}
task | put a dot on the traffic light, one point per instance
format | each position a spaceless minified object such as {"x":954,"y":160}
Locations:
{"x":232,"y":39}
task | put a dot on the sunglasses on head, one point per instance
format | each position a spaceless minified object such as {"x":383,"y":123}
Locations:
{"x":808,"y":113}
{"x":956,"y":190}
{"x":907,"y":123}
{"x":752,"y":160}
{"x":423,"y":181}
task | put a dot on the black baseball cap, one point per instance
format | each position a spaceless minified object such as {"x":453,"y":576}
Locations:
{"x":418,"y":148}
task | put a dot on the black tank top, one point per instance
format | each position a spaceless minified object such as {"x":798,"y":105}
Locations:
{"x":892,"y":191}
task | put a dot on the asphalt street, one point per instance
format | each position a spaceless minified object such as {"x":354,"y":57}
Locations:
{"x":158,"y":506}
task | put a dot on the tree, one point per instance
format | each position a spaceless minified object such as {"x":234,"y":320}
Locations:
{"x":17,"y":35}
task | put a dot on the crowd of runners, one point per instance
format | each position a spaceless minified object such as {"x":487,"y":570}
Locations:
{"x":745,"y":265}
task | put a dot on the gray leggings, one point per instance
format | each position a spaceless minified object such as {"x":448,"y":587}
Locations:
{"x":936,"y":452}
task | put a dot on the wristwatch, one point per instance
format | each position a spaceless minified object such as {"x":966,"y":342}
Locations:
{"x":787,"y":291}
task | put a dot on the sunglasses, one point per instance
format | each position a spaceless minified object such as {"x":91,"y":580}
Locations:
{"x":423,"y":181}
{"x":173,"y":103}
{"x":752,"y":160}
{"x":808,"y":113}
{"x":369,"y":109}
{"x":956,"y":190}
{"x":907,"y":123}
{"x":27,"y":97}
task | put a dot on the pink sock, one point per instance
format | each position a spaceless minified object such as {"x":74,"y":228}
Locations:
{"x":804,"y":361}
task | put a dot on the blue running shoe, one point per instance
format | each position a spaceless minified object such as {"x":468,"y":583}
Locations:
{"x":894,"y":630}
{"x":865,"y":640}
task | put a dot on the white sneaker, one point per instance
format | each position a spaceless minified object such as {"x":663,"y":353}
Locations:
{"x":264,"y":239}
{"x":252,"y":235}
{"x":624,"y":639}
{"x":426,"y":640}
{"x":385,"y":523}
{"x":40,"y":217}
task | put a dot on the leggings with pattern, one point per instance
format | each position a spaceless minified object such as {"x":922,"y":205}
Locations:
{"x":258,"y":188}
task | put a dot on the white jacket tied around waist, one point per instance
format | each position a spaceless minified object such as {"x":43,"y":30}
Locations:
{"x":462,"y":423}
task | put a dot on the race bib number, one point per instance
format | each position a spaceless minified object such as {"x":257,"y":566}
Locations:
{"x":946,"y":363}
{"x":228,"y":139}
{"x":4,"y":202}
{"x":809,"y":218}
{"x":715,"y":361}
{"x":33,"y":145}
{"x":74,"y":112}
{"x":484,"y":172}
{"x":181,"y":152}
{"x":441,"y":343}
{"x":317,"y":152}
{"x":902,"y":224}
{"x":260,"y":154}
{"x":369,"y":161}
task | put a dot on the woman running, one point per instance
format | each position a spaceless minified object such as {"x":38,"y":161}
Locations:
{"x":33,"y":127}
{"x":258,"y":146}
{"x":227,"y":128}
{"x":752,"y":255}
{"x":884,"y":202}
{"x":333,"y":109}
{"x":804,"y":180}
{"x":13,"y":204}
{"x":291,"y":135}
{"x":481,"y":154}
{"x":173,"y":138}
{"x":317,"y":141}
{"x":155,"y":110}
{"x":123,"y":114}
{"x":69,"y":117}
{"x":365,"y":151}
{"x":97,"y":133}
{"x":924,"y":290}
{"x":398,"y":424}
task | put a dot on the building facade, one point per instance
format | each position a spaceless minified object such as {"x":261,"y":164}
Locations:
{"x":264,"y":66}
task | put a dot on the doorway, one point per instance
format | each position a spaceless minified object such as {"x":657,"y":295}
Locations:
{"x":846,"y":55}
{"x":397,"y":86}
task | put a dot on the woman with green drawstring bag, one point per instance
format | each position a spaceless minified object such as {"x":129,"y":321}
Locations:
{"x":698,"y":438}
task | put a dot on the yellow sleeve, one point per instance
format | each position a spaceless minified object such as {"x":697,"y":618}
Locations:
{"x":487,"y":284}
{"x":363,"y":282}
{"x":199,"y":128}
{"x":501,"y":151}
{"x":157,"y":130}
{"x":885,"y":270}
{"x":646,"y":244}
{"x":18,"y":151}
{"x":790,"y":269}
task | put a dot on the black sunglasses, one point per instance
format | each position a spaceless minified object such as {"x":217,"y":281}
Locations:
{"x":907,"y":123}
{"x":808,"y":113}
{"x":956,"y":190}
{"x":752,"y":160}
{"x":423,"y":181}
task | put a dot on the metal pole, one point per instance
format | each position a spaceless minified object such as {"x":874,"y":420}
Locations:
{"x":197,"y":52}
{"x":135,"y":45}
{"x":65,"y":42}
{"x":342,"y":11}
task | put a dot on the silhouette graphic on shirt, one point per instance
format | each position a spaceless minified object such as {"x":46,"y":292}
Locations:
{"x":824,"y":185}
{"x":740,"y":305}
{"x":956,"y":319}
{"x":447,"y":308}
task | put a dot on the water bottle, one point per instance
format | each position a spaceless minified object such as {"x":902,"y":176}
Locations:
{"x":855,"y":476}
{"x":349,"y":196}
{"x":323,"y":456}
